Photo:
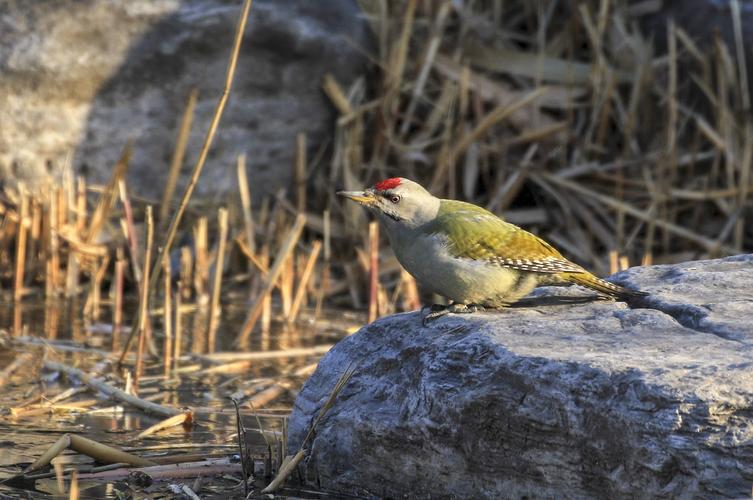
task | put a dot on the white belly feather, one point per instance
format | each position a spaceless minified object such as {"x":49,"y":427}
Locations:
{"x":461,"y":280}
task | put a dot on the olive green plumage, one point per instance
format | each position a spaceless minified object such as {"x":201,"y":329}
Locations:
{"x":475,"y":233}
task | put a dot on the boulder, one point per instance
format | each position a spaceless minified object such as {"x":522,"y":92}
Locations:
{"x":81,"y":77}
{"x":561,"y":396}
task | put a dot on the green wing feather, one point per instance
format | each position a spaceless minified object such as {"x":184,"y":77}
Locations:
{"x":475,"y":233}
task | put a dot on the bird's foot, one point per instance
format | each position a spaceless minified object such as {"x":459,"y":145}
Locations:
{"x":439,"y":310}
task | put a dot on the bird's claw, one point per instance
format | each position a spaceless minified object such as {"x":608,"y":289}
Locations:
{"x":439,"y":310}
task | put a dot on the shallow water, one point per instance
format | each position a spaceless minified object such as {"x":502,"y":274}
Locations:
{"x":60,"y":332}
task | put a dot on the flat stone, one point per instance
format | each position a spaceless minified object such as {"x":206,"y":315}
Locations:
{"x":560,"y":397}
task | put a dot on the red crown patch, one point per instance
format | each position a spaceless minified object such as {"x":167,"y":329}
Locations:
{"x":387,"y":184}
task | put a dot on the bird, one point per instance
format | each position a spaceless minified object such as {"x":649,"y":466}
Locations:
{"x":467,"y":254}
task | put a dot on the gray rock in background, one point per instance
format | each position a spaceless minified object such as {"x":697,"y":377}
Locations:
{"x":81,"y":77}
{"x":588,"y":399}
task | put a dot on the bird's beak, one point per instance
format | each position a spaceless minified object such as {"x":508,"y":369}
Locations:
{"x":363,"y":197}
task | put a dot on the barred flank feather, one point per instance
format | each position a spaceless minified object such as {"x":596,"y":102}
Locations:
{"x":588,"y":280}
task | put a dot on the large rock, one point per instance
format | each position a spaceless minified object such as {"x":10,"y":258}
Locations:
{"x":81,"y":77}
{"x":556,"y":398}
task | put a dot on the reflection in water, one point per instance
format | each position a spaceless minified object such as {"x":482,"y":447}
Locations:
{"x":57,"y":330}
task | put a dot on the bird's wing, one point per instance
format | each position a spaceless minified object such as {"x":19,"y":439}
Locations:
{"x":475,"y":233}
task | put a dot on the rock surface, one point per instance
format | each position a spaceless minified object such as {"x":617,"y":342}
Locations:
{"x":557,"y":398}
{"x":82,"y":77}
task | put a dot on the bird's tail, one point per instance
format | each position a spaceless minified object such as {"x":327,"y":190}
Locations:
{"x":588,"y":280}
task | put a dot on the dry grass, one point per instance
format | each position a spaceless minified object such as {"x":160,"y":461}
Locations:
{"x":562,"y":119}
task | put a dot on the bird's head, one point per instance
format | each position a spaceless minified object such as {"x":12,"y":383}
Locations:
{"x":397,"y":201}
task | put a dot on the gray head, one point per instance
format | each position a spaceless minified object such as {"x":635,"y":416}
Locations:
{"x":397,"y":201}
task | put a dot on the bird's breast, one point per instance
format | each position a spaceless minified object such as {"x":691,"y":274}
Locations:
{"x":427,"y":258}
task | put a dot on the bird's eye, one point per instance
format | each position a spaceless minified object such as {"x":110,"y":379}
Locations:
{"x":395,"y":198}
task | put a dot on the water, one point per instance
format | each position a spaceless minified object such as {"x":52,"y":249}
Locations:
{"x":60,"y":332}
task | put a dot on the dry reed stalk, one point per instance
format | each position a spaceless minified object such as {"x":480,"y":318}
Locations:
{"x":85,"y":251}
{"x":245,"y":194}
{"x":109,"y":195}
{"x":94,"y":300}
{"x":93,"y":449}
{"x":23,"y":225}
{"x":296,"y":352}
{"x":53,"y":271}
{"x":647,"y":259}
{"x":336,"y":95}
{"x":19,"y":328}
{"x":178,"y":327}
{"x":201,"y":261}
{"x":199,"y":331}
{"x":262,"y":265}
{"x":741,"y":54}
{"x":292,"y":462}
{"x":411,"y":297}
{"x":682,"y":232}
{"x":208,"y":139}
{"x":624,"y":263}
{"x":268,"y":395}
{"x":399,"y":56}
{"x":215,"y":310}
{"x":373,"y":270}
{"x":613,"y":262}
{"x":184,"y":419}
{"x":73,"y":492}
{"x":186,"y":272}
{"x":285,"y":249}
{"x":167,"y":315}
{"x":117,"y":307}
{"x":81,"y":212}
{"x":130,"y":230}
{"x":51,"y":320}
{"x":324,"y":281}
{"x":144,"y":304}
{"x":177,"y":159}
{"x":35,"y":405}
{"x":59,"y":477}
{"x":113,"y":392}
{"x":63,"y":208}
{"x":495,"y":116}
{"x":266,"y":307}
{"x":506,"y":192}
{"x":308,"y":271}
{"x":287,"y":468}
{"x":300,"y":171}
{"x":35,"y":231}
{"x":286,"y":282}
{"x":426,"y":65}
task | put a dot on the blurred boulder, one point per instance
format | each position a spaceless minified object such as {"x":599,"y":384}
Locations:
{"x":557,"y":398}
{"x":78,"y":78}
{"x":702,"y":20}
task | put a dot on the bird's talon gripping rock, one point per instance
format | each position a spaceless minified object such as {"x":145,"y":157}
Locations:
{"x":438,"y":310}
{"x":435,"y":314}
{"x":463,"y":308}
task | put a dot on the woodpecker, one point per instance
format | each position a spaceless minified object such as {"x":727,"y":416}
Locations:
{"x":466,"y":253}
